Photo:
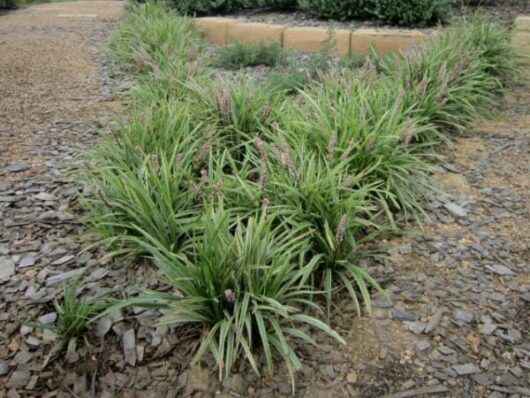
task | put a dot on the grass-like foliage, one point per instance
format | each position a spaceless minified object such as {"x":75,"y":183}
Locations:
{"x":149,"y":178}
{"x":239,"y":55}
{"x":246,"y":283}
{"x":153,"y":37}
{"x":357,"y":118}
{"x":318,"y":194}
{"x":73,"y":316}
{"x":455,"y":77}
{"x":253,"y":198}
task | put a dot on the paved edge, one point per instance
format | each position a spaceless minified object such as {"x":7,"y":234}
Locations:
{"x":521,"y":38}
{"x":223,"y":31}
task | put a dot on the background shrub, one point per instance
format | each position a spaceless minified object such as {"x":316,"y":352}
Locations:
{"x":338,"y":9}
{"x":275,"y":4}
{"x":8,"y":4}
{"x":205,"y":7}
{"x":413,"y":12}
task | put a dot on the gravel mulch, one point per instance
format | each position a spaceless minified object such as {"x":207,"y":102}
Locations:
{"x":457,"y":324}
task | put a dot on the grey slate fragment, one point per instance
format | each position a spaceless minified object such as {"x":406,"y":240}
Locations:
{"x":19,"y":378}
{"x":434,"y":321}
{"x":500,"y":269}
{"x":48,"y":319}
{"x":416,"y":327}
{"x":27,"y":260}
{"x":16,"y":167}
{"x":455,"y":210}
{"x":405,"y":315}
{"x":463,"y":316}
{"x":466,"y":369}
{"x":63,"y":276}
{"x":4,"y":367}
{"x":487,"y":327}
{"x":422,"y":345}
{"x":44,"y":196}
{"x":103,"y":326}
{"x":64,"y":259}
{"x":7,"y":199}
{"x":129,"y":347}
{"x":7,"y":268}
{"x":482,"y":379}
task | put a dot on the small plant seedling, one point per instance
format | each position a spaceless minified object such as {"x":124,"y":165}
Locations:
{"x":73,"y":316}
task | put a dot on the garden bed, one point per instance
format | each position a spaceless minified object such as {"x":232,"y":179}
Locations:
{"x":237,"y":186}
{"x":260,"y":205}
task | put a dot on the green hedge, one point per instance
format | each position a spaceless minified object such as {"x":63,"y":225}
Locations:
{"x":205,"y":7}
{"x":412,"y":12}
{"x":397,"y":12}
{"x":338,"y":9}
{"x":8,"y":4}
{"x":211,"y":7}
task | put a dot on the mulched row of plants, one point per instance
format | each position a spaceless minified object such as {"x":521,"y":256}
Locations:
{"x":252,"y":198}
{"x":254,"y":201}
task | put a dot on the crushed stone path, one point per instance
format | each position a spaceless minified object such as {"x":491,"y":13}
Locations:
{"x":54,"y":87}
{"x":459,"y":321}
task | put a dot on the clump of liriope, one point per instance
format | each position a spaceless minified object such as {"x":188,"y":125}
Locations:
{"x":363,"y":119}
{"x":149,"y":178}
{"x":73,"y":317}
{"x":492,"y":42}
{"x":245,"y":283}
{"x":295,"y":184}
{"x":237,"y":110}
{"x":169,"y":84}
{"x":154,"y":37}
{"x":455,"y":77}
